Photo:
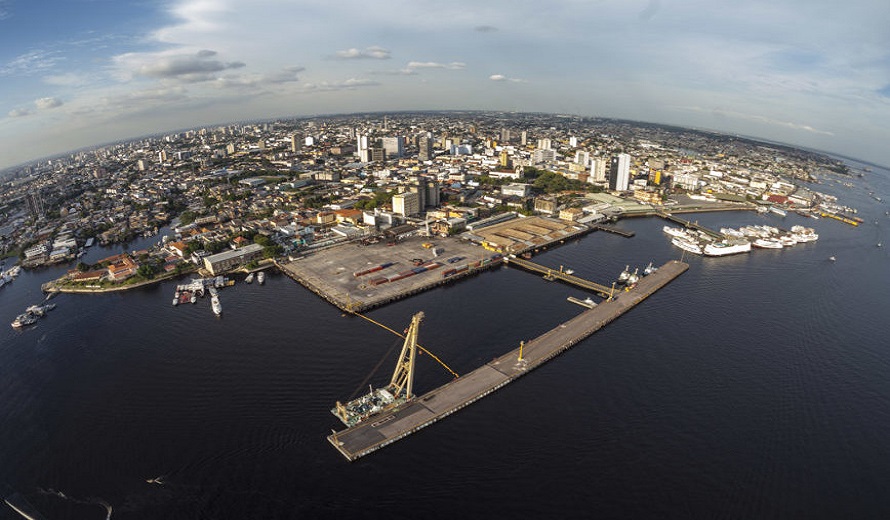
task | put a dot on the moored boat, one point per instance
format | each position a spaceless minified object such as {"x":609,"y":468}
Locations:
{"x":727,"y":248}
{"x":767,"y":243}
{"x":674,"y":232}
{"x":261,"y":278}
{"x":687,"y":245}
{"x":249,"y":278}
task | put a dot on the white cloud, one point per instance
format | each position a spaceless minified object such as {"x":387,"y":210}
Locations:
{"x":47,"y":103}
{"x":349,"y":84}
{"x":368,"y":53}
{"x":454,"y":65}
{"x":68,"y":79}
{"x":189,"y":68}
{"x":19,"y":112}
{"x":501,"y":77}
{"x":30,"y":63}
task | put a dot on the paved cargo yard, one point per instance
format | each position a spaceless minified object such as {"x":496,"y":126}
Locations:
{"x":332,"y":273}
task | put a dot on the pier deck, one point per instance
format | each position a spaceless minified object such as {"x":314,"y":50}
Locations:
{"x":388,"y":427}
{"x":603,"y":290}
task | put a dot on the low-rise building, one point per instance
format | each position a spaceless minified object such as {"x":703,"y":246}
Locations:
{"x":226,"y":260}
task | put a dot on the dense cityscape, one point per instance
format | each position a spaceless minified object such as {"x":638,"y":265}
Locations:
{"x":297,"y":185}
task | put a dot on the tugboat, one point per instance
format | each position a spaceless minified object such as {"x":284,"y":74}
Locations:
{"x":622,"y":278}
{"x":649,"y":269}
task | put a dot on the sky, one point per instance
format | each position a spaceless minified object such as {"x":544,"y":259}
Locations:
{"x":77,"y":73}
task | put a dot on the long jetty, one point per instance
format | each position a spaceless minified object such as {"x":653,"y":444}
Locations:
{"x":389,"y":426}
{"x":603,"y":290}
{"x":688,"y":224}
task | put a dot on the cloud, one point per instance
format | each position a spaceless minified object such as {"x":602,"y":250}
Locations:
{"x":485,"y":28}
{"x":19,"y":112}
{"x":4,"y":10}
{"x":189,"y":68}
{"x":368,"y":53}
{"x":397,"y":72}
{"x":283,"y":76}
{"x":719,"y":112}
{"x":30,"y":63}
{"x":454,"y":65}
{"x":68,"y":79}
{"x":501,"y":77}
{"x":47,"y":103}
{"x":349,"y":84}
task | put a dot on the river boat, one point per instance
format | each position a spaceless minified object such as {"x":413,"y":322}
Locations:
{"x":762,"y":209}
{"x":633,"y":278}
{"x":194,"y":298}
{"x":767,"y":243}
{"x":216,"y":305}
{"x":804,"y":234}
{"x":727,"y":248}
{"x":40,"y":310}
{"x":787,"y":240}
{"x":674,"y":232}
{"x":777,"y":211}
{"x":249,"y":278}
{"x":734,"y":233}
{"x":261,"y":278}
{"x":24,"y":319}
{"x":687,"y":245}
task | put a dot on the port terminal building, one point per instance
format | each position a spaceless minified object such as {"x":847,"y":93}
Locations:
{"x":226,"y":260}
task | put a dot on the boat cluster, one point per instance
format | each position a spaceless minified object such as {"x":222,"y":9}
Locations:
{"x":9,"y":275}
{"x":198,"y":287}
{"x":629,"y":279}
{"x":769,"y":237}
{"x":738,"y":240}
{"x":32,"y":314}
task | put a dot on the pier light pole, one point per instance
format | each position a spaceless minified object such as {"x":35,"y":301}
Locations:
{"x":521,"y":345}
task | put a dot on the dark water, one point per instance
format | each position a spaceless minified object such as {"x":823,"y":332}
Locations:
{"x":755,"y":386}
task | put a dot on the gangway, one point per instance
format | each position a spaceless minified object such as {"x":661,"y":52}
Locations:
{"x":689,"y":224}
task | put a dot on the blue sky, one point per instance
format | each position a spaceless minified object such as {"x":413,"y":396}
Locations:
{"x":81,"y":72}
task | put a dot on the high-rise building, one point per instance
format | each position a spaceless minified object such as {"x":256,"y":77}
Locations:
{"x":377,"y":154}
{"x":619,"y":172}
{"x":544,"y":144}
{"x":543,"y":155}
{"x":597,"y":170}
{"x":505,"y":135}
{"x":582,"y":157}
{"x":35,"y":204}
{"x":406,"y":204}
{"x":162,"y":156}
{"x":505,"y":160}
{"x":296,"y":143}
{"x":573,"y":141}
{"x":394,"y":146}
{"x":425,"y":148}
{"x":523,"y":138}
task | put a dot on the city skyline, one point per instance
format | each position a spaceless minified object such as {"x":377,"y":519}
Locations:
{"x":82,"y":73}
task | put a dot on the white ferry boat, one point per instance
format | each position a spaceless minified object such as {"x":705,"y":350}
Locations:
{"x":674,"y":232}
{"x":687,"y":244}
{"x":727,"y":248}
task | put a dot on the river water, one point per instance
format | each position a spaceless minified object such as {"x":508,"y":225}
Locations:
{"x":754,"y":386}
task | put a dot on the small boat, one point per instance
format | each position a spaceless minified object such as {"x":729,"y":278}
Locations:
{"x":216,"y":305}
{"x":194,"y":298}
{"x":176,"y":300}
{"x":261,"y":277}
{"x":831,"y":259}
{"x":249,"y":278}
{"x":767,"y":243}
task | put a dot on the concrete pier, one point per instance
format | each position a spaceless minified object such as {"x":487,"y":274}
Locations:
{"x":390,"y":426}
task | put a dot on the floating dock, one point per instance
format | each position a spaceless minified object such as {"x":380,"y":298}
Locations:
{"x":387,"y":427}
{"x":611,"y":229}
{"x":559,"y":274}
